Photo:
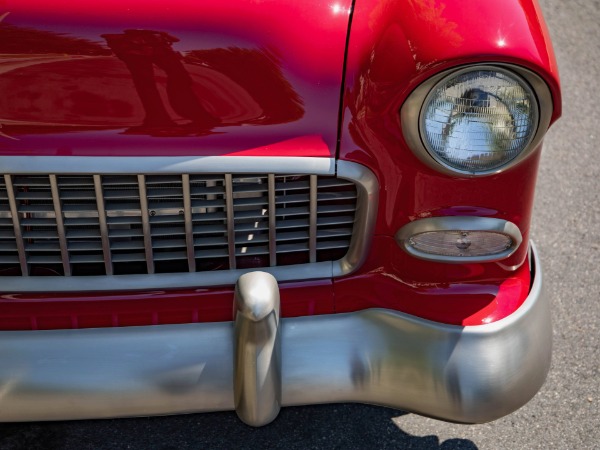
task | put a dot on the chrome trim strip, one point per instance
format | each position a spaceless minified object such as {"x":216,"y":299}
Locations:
{"x":410,"y":113}
{"x":365,"y":217}
{"x":312,"y":242}
{"x":366,"y":211}
{"x":230,"y":220}
{"x":160,"y":281}
{"x":14,"y":212}
{"x":272,"y":221}
{"x":60,"y":226}
{"x":468,"y":374}
{"x":257,"y":358}
{"x":108,"y":267}
{"x":189,"y":226}
{"x":165,"y":165}
{"x":146,"y":223}
{"x":459,"y":223}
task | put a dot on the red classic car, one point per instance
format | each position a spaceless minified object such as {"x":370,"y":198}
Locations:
{"x":251,"y":204}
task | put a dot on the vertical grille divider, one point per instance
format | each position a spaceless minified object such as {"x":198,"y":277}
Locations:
{"x":12,"y":200}
{"x":60,"y":225}
{"x":272,"y":222}
{"x":312,"y":240}
{"x":103,"y":225}
{"x":189,"y":229}
{"x":146,"y":223}
{"x":230,"y":219}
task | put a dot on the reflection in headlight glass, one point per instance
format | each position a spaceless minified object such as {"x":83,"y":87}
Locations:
{"x":480,"y":120}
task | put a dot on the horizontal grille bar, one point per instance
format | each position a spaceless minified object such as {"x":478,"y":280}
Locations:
{"x":78,"y":226}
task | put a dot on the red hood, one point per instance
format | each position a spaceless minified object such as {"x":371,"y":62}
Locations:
{"x":133,"y":77}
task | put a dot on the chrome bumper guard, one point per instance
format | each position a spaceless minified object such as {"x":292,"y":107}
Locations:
{"x":261,"y":362}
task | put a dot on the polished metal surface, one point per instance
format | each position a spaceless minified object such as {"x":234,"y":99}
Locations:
{"x":230,"y":220}
{"x":192,"y":229}
{"x":459,"y":223}
{"x":367,"y":191}
{"x":90,"y":165}
{"x":189,"y":230}
{"x":60,"y":226}
{"x":411,"y":110}
{"x":257,"y":360}
{"x":143,"y":198}
{"x":161,"y":280}
{"x":14,"y":214}
{"x":463,"y":374}
{"x":312,"y":240}
{"x":272,"y":223}
{"x":108,"y":267}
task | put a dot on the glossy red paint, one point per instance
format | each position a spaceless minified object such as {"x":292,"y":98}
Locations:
{"x":393,"y":280}
{"x":131,"y":78}
{"x":195,"y":103}
{"x":472,"y":301}
{"x":397,"y":44}
{"x":394,"y":46}
{"x":56,"y":311}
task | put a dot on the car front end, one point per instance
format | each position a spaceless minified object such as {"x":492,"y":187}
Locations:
{"x":293,"y":204}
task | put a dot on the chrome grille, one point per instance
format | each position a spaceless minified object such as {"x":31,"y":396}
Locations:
{"x":90,"y":225}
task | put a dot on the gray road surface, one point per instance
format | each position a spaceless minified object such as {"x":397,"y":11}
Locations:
{"x":564,"y":415}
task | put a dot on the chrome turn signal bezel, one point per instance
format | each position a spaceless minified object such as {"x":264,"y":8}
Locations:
{"x":459,"y":223}
{"x":412,"y":110}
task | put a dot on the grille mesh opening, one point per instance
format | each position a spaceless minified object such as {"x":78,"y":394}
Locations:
{"x":144,"y":224}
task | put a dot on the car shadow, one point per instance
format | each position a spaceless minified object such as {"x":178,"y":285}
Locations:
{"x":344,"y":426}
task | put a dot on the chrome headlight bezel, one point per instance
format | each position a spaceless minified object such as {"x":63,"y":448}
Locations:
{"x":412,"y":111}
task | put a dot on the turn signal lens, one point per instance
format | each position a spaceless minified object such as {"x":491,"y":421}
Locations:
{"x":460,"y":239}
{"x":460,"y":243}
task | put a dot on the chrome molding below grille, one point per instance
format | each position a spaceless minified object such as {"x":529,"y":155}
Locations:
{"x":131,"y":228}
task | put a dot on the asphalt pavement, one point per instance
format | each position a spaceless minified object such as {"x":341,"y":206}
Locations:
{"x":566,"y":412}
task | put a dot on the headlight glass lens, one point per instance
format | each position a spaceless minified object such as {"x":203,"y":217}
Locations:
{"x":479,"y":120}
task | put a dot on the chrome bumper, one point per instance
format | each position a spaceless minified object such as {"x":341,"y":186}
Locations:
{"x":259,"y":363}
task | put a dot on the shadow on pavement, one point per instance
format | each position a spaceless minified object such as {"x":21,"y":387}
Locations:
{"x":316,"y":427}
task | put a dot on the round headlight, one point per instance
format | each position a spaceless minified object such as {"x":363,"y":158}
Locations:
{"x":478,"y":119}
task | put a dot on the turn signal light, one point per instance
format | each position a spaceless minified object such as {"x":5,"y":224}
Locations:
{"x":460,"y":239}
{"x":460,"y":243}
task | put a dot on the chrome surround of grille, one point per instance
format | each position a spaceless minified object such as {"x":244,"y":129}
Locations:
{"x":365,"y":211}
